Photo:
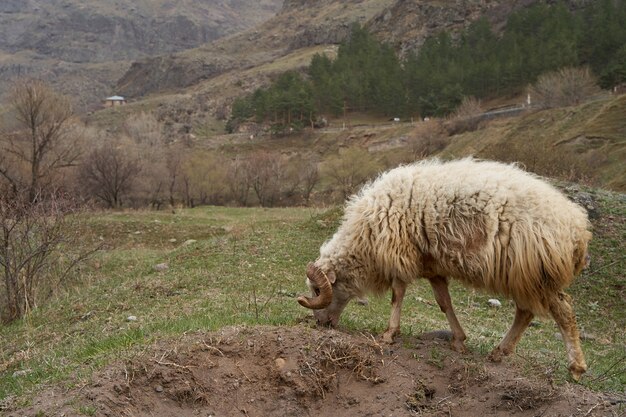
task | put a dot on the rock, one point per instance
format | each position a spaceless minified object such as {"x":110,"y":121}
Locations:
{"x":189,"y":242}
{"x":158,"y":388}
{"x":494,"y":302}
{"x":362,"y":301}
{"x":587,"y":336}
{"x":21,"y":373}
{"x":280,"y":363}
{"x":558,"y":336}
{"x":585,"y":200}
{"x":131,"y":318}
{"x":161,"y":267}
{"x":172,"y":240}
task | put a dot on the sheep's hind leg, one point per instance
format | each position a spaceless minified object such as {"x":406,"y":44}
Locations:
{"x":398,"y":289}
{"x":440,"y":288}
{"x":563,"y":314}
{"x":507,"y":345}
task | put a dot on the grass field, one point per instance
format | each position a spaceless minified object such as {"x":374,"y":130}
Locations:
{"x":245,"y":267}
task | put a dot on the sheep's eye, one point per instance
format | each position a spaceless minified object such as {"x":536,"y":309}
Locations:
{"x":317,"y":291}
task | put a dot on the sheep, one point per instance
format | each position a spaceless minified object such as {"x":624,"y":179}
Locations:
{"x":490,"y":225}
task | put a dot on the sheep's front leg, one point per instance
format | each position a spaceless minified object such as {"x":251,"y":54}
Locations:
{"x":440,"y":288}
{"x":398,"y":289}
{"x":507,"y":345}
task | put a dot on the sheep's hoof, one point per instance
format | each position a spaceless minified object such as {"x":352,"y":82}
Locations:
{"x":577,"y":370}
{"x":458,"y":346}
{"x":496,"y":355}
{"x":388,"y":336}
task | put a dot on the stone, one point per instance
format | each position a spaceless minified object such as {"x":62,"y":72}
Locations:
{"x":161,"y":267}
{"x":494,"y":302}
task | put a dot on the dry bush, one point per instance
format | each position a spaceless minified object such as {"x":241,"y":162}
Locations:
{"x":556,"y":163}
{"x":109,"y":172}
{"x":145,"y":129}
{"x":466,"y":117}
{"x":427,"y":138}
{"x":565,"y":87}
{"x":203,"y":179}
{"x":349,"y":169}
{"x":267,"y":175}
{"x":39,"y":247}
{"x":307,"y":172}
{"x":238,"y":181}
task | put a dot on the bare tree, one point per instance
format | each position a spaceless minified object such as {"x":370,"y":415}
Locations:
{"x":238,"y":181}
{"x":108,"y":173}
{"x":42,"y":143}
{"x":349,"y":169}
{"x":204,"y":178}
{"x":266,"y":173}
{"x":300,"y":178}
{"x":309,"y":178}
{"x":174,"y":166}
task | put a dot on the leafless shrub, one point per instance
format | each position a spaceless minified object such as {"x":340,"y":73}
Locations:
{"x":37,"y":245}
{"x":428,"y":138}
{"x":346,"y":171}
{"x":309,"y":175}
{"x":145,"y":129}
{"x":108,"y":173}
{"x":238,"y":181}
{"x":565,"y":87}
{"x":267,"y":175}
{"x":203,"y":178}
{"x":466,"y":117}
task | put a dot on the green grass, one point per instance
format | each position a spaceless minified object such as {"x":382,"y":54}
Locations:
{"x":246,"y":267}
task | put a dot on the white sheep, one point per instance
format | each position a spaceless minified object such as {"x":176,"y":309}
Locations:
{"x":490,"y":225}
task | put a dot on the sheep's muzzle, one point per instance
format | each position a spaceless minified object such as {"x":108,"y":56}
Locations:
{"x":324,"y":289}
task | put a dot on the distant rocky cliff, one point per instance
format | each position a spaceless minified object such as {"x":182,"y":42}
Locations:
{"x":98,"y":31}
{"x":62,"y":40}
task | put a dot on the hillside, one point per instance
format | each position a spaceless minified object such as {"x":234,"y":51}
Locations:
{"x":582,"y":143}
{"x":298,"y":25}
{"x":308,"y":23}
{"x":61,"y":41}
{"x":216,"y":330}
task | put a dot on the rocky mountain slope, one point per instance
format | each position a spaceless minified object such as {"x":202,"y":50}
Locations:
{"x":76,"y":44}
{"x":299,"y":24}
{"x":306,"y":23}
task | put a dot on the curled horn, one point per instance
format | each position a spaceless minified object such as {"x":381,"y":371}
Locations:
{"x":321,"y":281}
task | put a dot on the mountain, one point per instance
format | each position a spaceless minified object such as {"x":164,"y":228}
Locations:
{"x":210,"y":76}
{"x":299,"y":24}
{"x":83,"y":46}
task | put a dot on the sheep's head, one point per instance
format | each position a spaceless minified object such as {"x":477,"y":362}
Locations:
{"x":329,"y":299}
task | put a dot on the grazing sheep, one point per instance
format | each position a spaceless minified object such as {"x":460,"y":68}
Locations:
{"x":490,"y":225}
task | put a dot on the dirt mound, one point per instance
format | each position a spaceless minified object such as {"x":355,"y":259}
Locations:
{"x":295,"y":371}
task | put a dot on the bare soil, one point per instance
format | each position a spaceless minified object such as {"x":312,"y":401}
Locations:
{"x":300,"y":371}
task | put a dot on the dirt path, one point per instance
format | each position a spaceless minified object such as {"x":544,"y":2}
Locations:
{"x":299,"y":371}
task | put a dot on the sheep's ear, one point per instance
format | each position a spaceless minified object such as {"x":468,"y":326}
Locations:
{"x":331,"y":276}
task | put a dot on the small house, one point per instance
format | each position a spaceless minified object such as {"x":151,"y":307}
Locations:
{"x":114,"y":101}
